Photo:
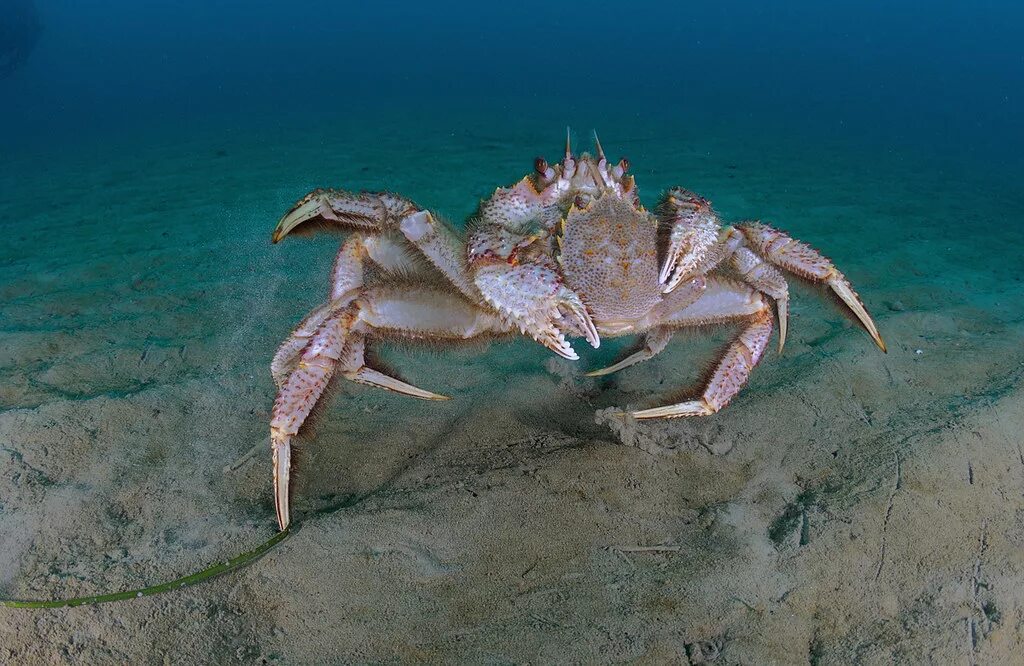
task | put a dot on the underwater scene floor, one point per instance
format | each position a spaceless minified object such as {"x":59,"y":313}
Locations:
{"x":848,"y":506}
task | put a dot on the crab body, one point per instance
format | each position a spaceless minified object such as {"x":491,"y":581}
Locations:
{"x":568,"y":251}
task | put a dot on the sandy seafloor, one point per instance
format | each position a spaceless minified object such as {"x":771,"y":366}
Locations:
{"x":848,"y":507}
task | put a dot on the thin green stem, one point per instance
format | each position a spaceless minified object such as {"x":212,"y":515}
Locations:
{"x":198,"y":577}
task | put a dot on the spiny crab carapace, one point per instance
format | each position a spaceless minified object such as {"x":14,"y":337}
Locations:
{"x":568,"y":251}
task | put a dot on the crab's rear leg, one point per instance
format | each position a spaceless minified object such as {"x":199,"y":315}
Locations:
{"x":722,"y":302}
{"x":797,"y":257}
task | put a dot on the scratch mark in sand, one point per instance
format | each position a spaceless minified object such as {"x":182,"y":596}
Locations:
{"x":1006,"y":437}
{"x":972,"y":626}
{"x":646,"y":549}
{"x":888,"y":514}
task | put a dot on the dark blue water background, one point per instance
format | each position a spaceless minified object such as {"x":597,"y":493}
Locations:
{"x":941,"y":79}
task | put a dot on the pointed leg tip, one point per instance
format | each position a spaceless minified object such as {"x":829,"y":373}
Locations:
{"x":881,"y":344}
{"x":281,"y":448}
{"x":691,"y":408}
{"x":312,"y":206}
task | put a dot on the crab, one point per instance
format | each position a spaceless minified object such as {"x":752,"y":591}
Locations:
{"x":567,"y":252}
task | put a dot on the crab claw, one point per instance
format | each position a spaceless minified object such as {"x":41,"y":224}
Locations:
{"x":570,"y":306}
{"x":532,"y":298}
{"x":565,"y":314}
{"x":693,"y":240}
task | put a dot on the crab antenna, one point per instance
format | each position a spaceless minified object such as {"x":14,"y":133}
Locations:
{"x":568,"y":143}
{"x":600,"y":150}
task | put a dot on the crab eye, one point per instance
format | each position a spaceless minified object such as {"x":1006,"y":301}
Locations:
{"x":624,"y":163}
{"x":540,"y":165}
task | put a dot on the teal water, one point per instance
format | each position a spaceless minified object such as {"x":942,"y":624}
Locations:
{"x":143,"y":300}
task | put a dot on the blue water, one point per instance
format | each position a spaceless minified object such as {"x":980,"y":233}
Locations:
{"x":905,"y":76}
{"x":148,"y":149}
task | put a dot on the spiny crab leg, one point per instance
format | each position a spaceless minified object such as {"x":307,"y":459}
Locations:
{"x":380,"y":220}
{"x":353,"y":363}
{"x":767,"y":279}
{"x":288,"y":353}
{"x":655,"y":342}
{"x":803,"y":260}
{"x":346,"y":280}
{"x":360,"y":211}
{"x":297,"y":397}
{"x":442,"y":247}
{"x":334,"y":346}
{"x":729,"y":377}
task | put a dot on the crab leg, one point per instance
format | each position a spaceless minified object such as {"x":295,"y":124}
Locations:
{"x":767,"y":279}
{"x":299,"y":394}
{"x":729,"y":376}
{"x":655,"y":342}
{"x":366,"y":211}
{"x":354,"y":368}
{"x":346,"y":279}
{"x":288,"y":353}
{"x":803,"y":260}
{"x":379,"y":216}
{"x":722,"y":301}
{"x":303,"y":365}
{"x":424,"y":313}
{"x":337,"y":346}
{"x":442,"y":247}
